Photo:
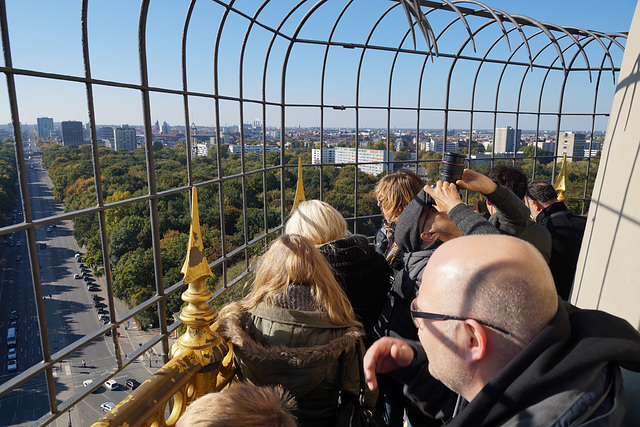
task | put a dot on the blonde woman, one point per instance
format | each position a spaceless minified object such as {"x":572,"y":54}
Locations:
{"x":293,"y":328}
{"x":362,"y":272}
{"x":394,"y":192}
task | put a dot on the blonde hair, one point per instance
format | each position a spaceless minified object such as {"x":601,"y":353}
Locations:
{"x":395,"y":191}
{"x":317,"y":221}
{"x":294,"y":259}
{"x":240,"y":405}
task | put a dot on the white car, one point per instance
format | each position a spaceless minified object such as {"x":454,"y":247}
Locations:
{"x":77,"y":276}
{"x":107,"y":406}
{"x":87,"y":383}
{"x":12,"y":354}
{"x":12,"y":365}
{"x":111,"y":384}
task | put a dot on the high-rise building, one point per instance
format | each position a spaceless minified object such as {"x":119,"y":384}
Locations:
{"x":72,"y":133}
{"x":572,"y":144}
{"x":506,"y":140}
{"x":166,"y":129}
{"x":124,"y":138}
{"x":45,"y":127}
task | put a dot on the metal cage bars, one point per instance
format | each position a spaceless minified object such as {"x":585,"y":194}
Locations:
{"x":417,"y":12}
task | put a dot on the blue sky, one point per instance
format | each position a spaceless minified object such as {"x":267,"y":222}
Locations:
{"x":45,"y":36}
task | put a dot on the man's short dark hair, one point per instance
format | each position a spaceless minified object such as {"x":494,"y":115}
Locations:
{"x":541,"y":191}
{"x":511,"y":177}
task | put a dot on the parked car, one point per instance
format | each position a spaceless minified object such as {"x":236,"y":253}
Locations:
{"x":111,"y":384}
{"x":87,"y":383}
{"x":12,"y":365}
{"x":132,"y":384}
{"x":97,"y":303}
{"x":107,"y":406}
{"x":96,"y":297}
{"x":12,"y":354}
{"x":102,"y":311}
{"x":93,"y":288}
{"x":76,"y":276}
{"x":48,"y":229}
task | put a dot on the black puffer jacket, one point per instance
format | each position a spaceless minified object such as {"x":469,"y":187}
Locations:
{"x":363,"y":274}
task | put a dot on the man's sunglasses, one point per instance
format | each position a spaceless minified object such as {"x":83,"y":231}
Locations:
{"x":433,"y":316}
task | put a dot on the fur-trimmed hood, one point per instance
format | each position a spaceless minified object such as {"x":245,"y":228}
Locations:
{"x":320,"y":341}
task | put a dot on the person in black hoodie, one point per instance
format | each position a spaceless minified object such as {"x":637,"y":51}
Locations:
{"x":496,"y":333}
{"x":363,"y":274}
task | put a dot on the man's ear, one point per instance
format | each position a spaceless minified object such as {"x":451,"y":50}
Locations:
{"x":475,"y":341}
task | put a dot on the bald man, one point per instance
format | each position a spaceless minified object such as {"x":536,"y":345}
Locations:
{"x":495,"y":333}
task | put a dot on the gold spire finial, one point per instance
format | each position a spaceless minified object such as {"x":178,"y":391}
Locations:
{"x":198,"y":314}
{"x":300,"y":188}
{"x":195,"y":265}
{"x":561,"y":181}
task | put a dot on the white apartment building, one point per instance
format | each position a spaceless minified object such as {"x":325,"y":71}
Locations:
{"x":374,"y":158}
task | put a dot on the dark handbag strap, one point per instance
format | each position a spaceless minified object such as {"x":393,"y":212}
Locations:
{"x":341,"y":370}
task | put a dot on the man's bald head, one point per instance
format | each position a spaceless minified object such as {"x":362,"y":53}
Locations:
{"x":495,"y":278}
{"x":501,"y":295}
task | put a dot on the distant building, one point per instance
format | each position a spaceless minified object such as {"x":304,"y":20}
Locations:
{"x":572,"y":144}
{"x":506,"y":140}
{"x":45,"y":127}
{"x":376,"y":157}
{"x":166,"y":128}
{"x":72,"y":133}
{"x":105,"y":132}
{"x":124,"y":138}
{"x":546,"y":145}
{"x":257,"y":149}
{"x":328,"y":155}
{"x":200,"y":149}
{"x":436,"y":145}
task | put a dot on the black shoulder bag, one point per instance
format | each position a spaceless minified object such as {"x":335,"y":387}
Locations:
{"x":353,"y":412}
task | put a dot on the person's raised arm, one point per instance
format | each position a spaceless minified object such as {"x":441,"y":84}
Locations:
{"x":386,"y":355}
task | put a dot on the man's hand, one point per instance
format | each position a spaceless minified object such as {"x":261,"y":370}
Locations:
{"x":445,"y":194}
{"x":385,"y":355}
{"x":477,"y":182}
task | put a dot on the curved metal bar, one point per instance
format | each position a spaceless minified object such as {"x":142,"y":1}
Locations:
{"x":606,"y":50}
{"x":575,"y":42}
{"x":102,"y":223}
{"x":548,"y":33}
{"x":464,"y":20}
{"x":492,"y":12}
{"x":185,"y":97}
{"x":281,"y":104}
{"x":322,"y":105}
{"x":151,"y":177}
{"x":265,"y":211}
{"x":216,"y":92}
{"x":359,"y":72}
{"x":413,"y":8}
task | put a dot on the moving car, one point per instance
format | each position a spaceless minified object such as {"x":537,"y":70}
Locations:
{"x":111,"y":384}
{"x":19,"y":243}
{"x":107,"y":406}
{"x":13,"y":315}
{"x":132,"y":384}
{"x":19,"y":258}
{"x":12,"y":365}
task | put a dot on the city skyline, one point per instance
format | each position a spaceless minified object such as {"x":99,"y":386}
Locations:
{"x":55,"y":48}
